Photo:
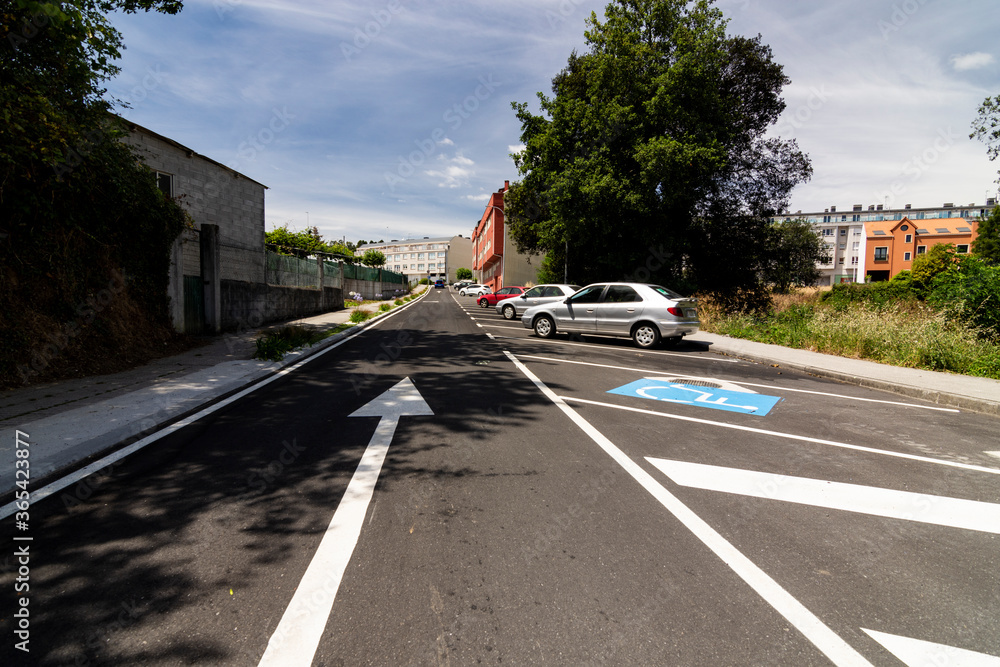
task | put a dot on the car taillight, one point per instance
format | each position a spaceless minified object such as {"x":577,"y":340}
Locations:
{"x":675,"y":311}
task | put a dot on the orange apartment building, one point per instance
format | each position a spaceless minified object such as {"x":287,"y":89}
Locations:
{"x":892,"y":245}
{"x":495,"y":261}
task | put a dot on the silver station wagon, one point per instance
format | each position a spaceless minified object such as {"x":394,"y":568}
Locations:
{"x":645,"y":313}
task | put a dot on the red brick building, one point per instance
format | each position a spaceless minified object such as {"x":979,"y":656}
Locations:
{"x":495,"y":261}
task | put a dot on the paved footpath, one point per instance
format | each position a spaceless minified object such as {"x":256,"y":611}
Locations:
{"x":71,"y":421}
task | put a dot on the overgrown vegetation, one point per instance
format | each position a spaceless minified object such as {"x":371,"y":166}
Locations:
{"x":948,"y":321}
{"x":85,"y":235}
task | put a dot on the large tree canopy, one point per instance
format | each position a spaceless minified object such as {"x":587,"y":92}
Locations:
{"x":651,"y":161}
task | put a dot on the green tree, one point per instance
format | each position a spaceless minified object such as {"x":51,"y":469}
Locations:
{"x":80,"y":211}
{"x":795,"y":250}
{"x":969,"y":290}
{"x":653,"y":155}
{"x":926,"y":267}
{"x":373,"y":258}
{"x":463,"y":274}
{"x":986,"y":126}
{"x":987,"y":243}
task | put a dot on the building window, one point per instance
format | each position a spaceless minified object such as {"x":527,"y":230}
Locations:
{"x":840,"y":261}
{"x":921,"y":249}
{"x":843,"y":232}
{"x":854,"y":261}
{"x":882,"y":254}
{"x":827,"y":232}
{"x":165,"y":182}
{"x":856,"y":245}
{"x":909,"y":238}
{"x":906,"y":257}
{"x":962,"y":249}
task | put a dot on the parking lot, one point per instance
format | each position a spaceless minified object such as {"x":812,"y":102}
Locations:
{"x":865,"y":520}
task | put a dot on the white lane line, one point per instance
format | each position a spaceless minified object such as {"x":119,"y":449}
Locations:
{"x":549,"y":341}
{"x":937,"y":510}
{"x":118,"y":455}
{"x":993,"y":454}
{"x":745,"y":384}
{"x":920,"y":653}
{"x":294,"y":641}
{"x":790,"y":436}
{"x":836,"y":649}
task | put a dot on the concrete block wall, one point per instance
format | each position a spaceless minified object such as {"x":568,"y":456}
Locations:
{"x":250,"y":305}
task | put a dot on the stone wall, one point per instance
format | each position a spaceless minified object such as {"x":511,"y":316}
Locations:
{"x":249,"y":305}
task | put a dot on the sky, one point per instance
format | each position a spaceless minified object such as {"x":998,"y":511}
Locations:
{"x":392,"y":119}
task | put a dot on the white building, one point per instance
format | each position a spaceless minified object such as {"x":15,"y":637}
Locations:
{"x":431,"y":258}
{"x":844,"y":232}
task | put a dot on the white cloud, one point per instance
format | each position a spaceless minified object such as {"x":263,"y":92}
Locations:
{"x":971,"y":61}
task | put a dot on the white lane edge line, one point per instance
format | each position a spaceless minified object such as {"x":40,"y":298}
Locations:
{"x":828,"y":642}
{"x":74,"y":477}
{"x":857,"y":498}
{"x":790,"y":436}
{"x":749,"y":384}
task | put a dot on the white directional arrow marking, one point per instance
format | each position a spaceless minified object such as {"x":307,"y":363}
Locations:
{"x":939,"y":510}
{"x":297,"y":636}
{"x":919,"y":653}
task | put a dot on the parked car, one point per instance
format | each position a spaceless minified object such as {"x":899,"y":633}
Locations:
{"x":460,"y":284}
{"x":473,"y":290}
{"x":646,"y":313}
{"x":487,"y":300}
{"x":438,"y":284}
{"x":538,"y":294}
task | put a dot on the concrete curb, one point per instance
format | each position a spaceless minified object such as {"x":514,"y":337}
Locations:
{"x":937,"y":396}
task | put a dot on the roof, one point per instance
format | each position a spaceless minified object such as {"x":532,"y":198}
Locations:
{"x":190,"y":152}
{"x":942,"y":226}
{"x":436,"y":239}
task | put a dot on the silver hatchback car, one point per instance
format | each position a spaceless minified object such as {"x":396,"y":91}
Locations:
{"x":646,"y":313}
{"x":539,"y":294}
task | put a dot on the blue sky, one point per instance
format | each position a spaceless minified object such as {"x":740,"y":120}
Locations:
{"x":390,"y":119}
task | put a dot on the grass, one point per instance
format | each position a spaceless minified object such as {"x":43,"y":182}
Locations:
{"x":901,"y":333}
{"x":274,"y":345}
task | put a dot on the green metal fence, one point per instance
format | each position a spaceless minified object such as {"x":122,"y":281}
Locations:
{"x":298,"y":272}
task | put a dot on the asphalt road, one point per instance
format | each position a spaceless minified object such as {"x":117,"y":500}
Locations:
{"x":533,"y":518}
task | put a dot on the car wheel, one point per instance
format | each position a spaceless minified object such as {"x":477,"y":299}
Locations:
{"x":509,"y":313}
{"x":483,"y":303}
{"x":646,"y":335}
{"x":544,"y":327}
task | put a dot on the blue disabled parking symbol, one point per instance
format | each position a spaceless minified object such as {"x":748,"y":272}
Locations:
{"x":663,"y":389}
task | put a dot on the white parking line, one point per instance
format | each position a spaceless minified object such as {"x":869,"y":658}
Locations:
{"x":770,"y":387}
{"x":790,"y":436}
{"x":825,"y":639}
{"x":592,"y":346}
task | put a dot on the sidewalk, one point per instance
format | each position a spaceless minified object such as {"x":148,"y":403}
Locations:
{"x":70,"y":421}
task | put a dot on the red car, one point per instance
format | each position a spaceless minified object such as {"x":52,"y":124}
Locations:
{"x":489,"y":300}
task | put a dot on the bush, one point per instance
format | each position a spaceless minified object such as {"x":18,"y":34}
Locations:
{"x":384,"y":307}
{"x":358,"y":316}
{"x":880,"y":294}
{"x":399,"y":302}
{"x":275,"y":344}
{"x":969,"y":292}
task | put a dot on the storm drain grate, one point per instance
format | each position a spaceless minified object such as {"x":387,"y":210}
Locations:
{"x":697,"y":383}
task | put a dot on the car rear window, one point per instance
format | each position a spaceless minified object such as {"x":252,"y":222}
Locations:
{"x":669,"y":293}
